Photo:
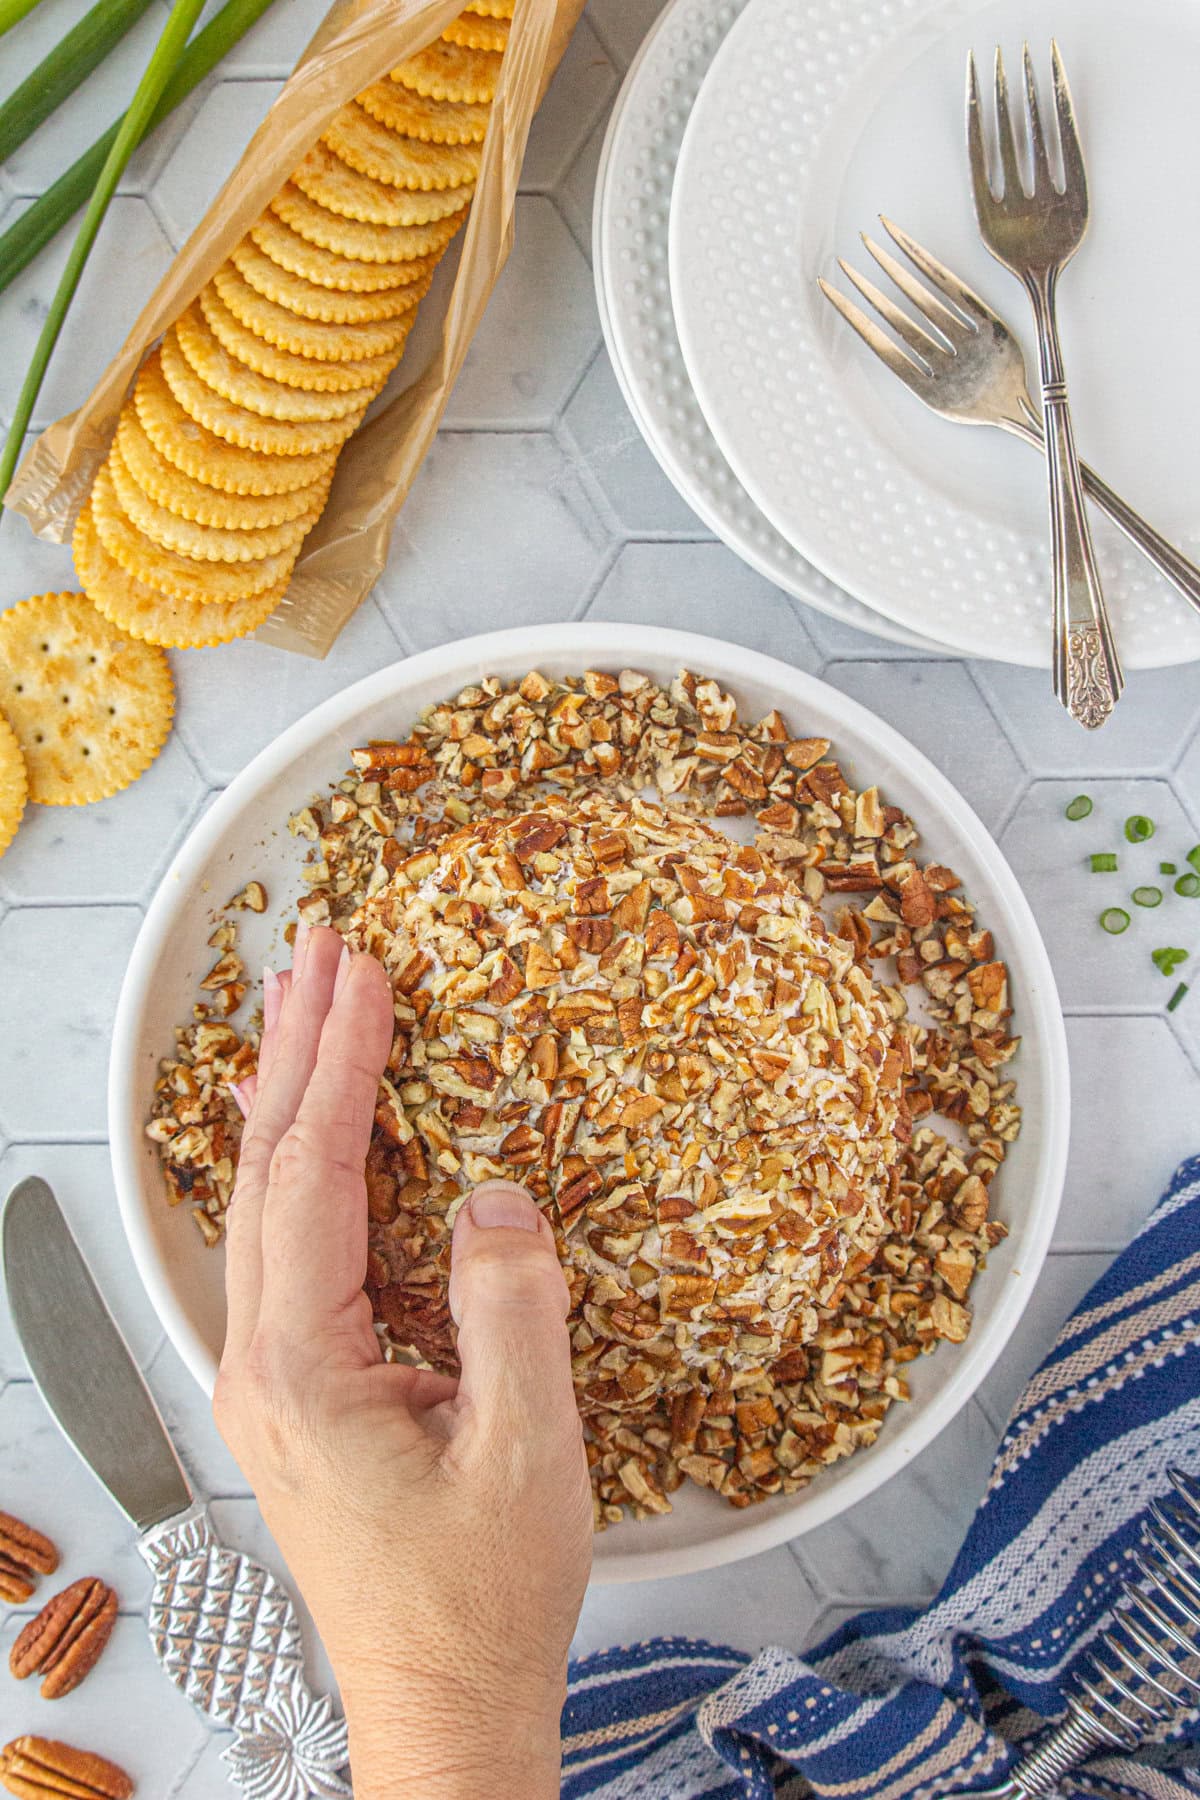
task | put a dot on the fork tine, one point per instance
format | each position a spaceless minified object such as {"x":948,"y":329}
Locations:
{"x":1074,"y":173}
{"x":874,"y":338}
{"x":954,"y":288}
{"x":976,"y":151}
{"x":950,"y":324}
{"x":904,"y":326}
{"x":1041,"y":165}
{"x":1013,"y":185}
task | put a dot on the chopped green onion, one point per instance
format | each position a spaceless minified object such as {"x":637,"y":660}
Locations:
{"x":1103,"y":862}
{"x":1166,"y":961}
{"x":1188,"y":886}
{"x":1079,"y":807}
{"x":1115,"y":920}
{"x":1147,"y":896}
{"x":41,"y":221}
{"x":68,"y":65}
{"x":1166,"y":868}
{"x":1138,"y":828}
{"x":1177,"y":996}
{"x":132,"y":129}
{"x":1193,"y":856}
{"x":12,"y":12}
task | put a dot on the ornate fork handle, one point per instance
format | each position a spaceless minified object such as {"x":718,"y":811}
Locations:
{"x":1087,"y":673}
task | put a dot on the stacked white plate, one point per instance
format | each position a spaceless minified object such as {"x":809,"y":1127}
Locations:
{"x":753,"y":140}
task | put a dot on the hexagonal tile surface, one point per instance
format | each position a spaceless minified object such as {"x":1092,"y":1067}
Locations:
{"x":622,"y":24}
{"x":62,"y":1028}
{"x":1143,"y":738}
{"x":273,"y":46}
{"x":224,"y":729}
{"x":1060,"y":1287}
{"x":838,"y":639}
{"x":1187,"y":778}
{"x":577,"y":187}
{"x":1050,"y":856}
{"x":703,"y":588}
{"x":126,"y":262}
{"x":535,"y":341}
{"x":937,"y":706}
{"x":583,"y":83}
{"x":771,"y":1590}
{"x":602,"y":430}
{"x":495,"y":532}
{"x":113,"y":850}
{"x":208,"y":150}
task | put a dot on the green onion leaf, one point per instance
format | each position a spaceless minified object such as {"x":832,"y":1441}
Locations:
{"x":1147,"y":896}
{"x":12,"y":12}
{"x":1103,"y":862}
{"x":1167,"y":960}
{"x":1079,"y":807}
{"x":1193,"y":856}
{"x":1177,"y":996}
{"x":1166,"y":868}
{"x":68,"y":65}
{"x":132,"y":129}
{"x":1115,"y":920}
{"x":1188,"y":886}
{"x":1138,"y":828}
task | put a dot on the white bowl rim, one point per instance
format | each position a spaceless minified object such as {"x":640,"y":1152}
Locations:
{"x":621,"y":645}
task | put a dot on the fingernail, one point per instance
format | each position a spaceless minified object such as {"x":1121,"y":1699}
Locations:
{"x":300,"y":950}
{"x":272,"y":999}
{"x":343,"y":970}
{"x":238,"y":1090}
{"x":503,"y":1203}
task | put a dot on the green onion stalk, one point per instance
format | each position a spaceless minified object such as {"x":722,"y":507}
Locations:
{"x":45,"y":218}
{"x":12,"y":12}
{"x":67,"y":66}
{"x":167,"y":51}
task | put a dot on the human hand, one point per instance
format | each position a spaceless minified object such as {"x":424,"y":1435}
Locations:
{"x":439,"y":1531}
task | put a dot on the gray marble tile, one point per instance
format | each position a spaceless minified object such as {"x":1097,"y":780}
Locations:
{"x":577,"y":187}
{"x":1187,"y":775}
{"x":766,"y":1599}
{"x":1060,"y":1287}
{"x":81,"y":1176}
{"x":837,"y":639}
{"x":583,"y":85}
{"x":223,"y":732}
{"x":114,"y":850}
{"x":1144,"y":735}
{"x":703,"y":588}
{"x":1049,"y":855}
{"x":601,"y":428}
{"x":63,"y":967}
{"x":497,"y":531}
{"x":622,"y":24}
{"x":938,"y":706}
{"x":207,"y":150}
{"x":538,"y":334}
{"x":274,"y":45}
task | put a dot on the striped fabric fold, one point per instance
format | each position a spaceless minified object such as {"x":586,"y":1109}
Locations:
{"x":902,"y":1703}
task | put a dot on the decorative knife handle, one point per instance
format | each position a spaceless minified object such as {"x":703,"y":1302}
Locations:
{"x":227,"y":1634}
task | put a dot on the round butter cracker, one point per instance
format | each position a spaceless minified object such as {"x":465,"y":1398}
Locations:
{"x":189,"y":447}
{"x":330,"y":268}
{"x":182,"y":577}
{"x":316,"y":339}
{"x":351,"y":237}
{"x":476,"y":33}
{"x":228,"y":376}
{"x":240,"y":425}
{"x":14,"y":784}
{"x":283,"y":365}
{"x":169,"y":487}
{"x":90,"y":707}
{"x":328,"y":305}
{"x":490,"y":9}
{"x":445,"y":71}
{"x":206,"y":543}
{"x":400,"y":161}
{"x":417,"y":116}
{"x":337,"y":187}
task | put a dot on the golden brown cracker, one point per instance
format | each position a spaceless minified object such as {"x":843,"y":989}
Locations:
{"x":188,"y":499}
{"x":14,"y":784}
{"x":418,"y":116}
{"x":320,"y":340}
{"x":400,"y":161}
{"x":182,"y":577}
{"x":228,"y":376}
{"x":284,"y":365}
{"x":153,"y":617}
{"x":91,"y":708}
{"x":476,"y":33}
{"x":240,"y":425}
{"x":207,"y":543}
{"x":351,"y":237}
{"x":330,"y":268}
{"x":445,"y":71}
{"x":328,"y":305}
{"x":334,"y":185}
{"x":204,"y":456}
{"x":490,"y":9}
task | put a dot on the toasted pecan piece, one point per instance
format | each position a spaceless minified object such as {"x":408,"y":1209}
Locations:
{"x":65,"y":1641}
{"x":38,"y":1768}
{"x":24,"y":1555}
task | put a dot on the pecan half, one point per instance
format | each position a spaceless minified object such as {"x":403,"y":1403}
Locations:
{"x":65,"y":1641}
{"x":24,"y":1555}
{"x":38,"y":1768}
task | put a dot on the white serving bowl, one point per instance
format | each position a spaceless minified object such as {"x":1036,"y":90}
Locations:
{"x":243,"y":835}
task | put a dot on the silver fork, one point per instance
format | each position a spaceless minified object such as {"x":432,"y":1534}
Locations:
{"x":968,"y":367}
{"x":1035,"y":236}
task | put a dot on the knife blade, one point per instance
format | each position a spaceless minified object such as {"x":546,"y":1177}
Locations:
{"x":82,"y":1365}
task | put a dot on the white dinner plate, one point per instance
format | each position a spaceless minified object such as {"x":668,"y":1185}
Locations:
{"x":242,"y":837}
{"x":629,"y":243}
{"x":813,"y":120}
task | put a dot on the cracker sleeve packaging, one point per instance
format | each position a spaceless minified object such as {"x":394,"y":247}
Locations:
{"x":358,"y":43}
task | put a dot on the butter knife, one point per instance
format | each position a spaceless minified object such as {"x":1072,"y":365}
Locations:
{"x":222,"y":1627}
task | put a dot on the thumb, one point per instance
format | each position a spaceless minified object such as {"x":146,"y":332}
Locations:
{"x":508,"y":1296}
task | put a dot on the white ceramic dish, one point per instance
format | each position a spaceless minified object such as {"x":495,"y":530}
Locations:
{"x":243,"y":836}
{"x":813,"y":120}
{"x":629,"y":243}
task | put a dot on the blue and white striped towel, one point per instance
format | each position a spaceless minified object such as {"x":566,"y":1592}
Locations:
{"x":901,"y":1703}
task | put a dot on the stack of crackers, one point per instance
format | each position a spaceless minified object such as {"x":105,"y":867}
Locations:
{"x":225,"y":451}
